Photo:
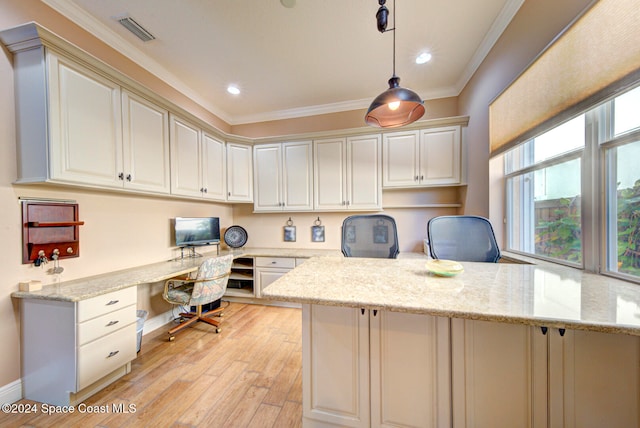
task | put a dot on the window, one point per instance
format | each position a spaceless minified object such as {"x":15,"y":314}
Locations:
{"x":622,"y":177}
{"x":589,"y":164}
{"x":544,"y":193}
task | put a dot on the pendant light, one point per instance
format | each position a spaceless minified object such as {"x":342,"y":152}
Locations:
{"x":397,"y":106}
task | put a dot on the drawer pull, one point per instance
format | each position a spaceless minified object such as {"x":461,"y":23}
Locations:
{"x":112,"y":302}
{"x":112,"y":354}
{"x":112,"y":323}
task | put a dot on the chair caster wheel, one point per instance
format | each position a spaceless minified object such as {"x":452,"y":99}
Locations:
{"x":171,"y":338}
{"x":218,"y":330}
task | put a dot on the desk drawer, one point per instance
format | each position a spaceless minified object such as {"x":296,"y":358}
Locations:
{"x":105,"y":303}
{"x":105,"y":324}
{"x":279,"y":262}
{"x":102,"y":356}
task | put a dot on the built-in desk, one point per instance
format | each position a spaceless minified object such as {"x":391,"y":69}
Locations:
{"x":527,"y":345}
{"x":79,"y":336}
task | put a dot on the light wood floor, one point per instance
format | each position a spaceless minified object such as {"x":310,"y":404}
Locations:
{"x":249,"y":375}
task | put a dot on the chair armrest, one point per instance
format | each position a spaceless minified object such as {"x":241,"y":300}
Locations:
{"x":213,"y":278}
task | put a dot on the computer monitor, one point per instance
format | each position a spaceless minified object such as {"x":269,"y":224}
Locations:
{"x":196,"y":231}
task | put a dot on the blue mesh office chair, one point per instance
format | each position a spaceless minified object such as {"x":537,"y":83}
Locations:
{"x":463,"y":238}
{"x":373,"y":236}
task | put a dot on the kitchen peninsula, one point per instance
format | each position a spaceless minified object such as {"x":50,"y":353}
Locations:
{"x":385,"y":341}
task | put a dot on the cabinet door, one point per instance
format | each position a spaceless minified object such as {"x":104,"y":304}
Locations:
{"x":297,"y":177}
{"x":266,"y":276}
{"x":400,"y":153}
{"x":268,"y":177}
{"x":364,"y":186}
{"x":85,"y":125}
{"x":595,"y":379}
{"x":335,"y":366}
{"x":410,"y":370}
{"x":185,"y":158}
{"x":145,"y":145}
{"x":239,"y":173}
{"x":499,"y":375}
{"x":440,"y":156}
{"x":329,"y":171}
{"x":214,"y":171}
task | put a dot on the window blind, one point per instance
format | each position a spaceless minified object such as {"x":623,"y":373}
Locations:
{"x":593,"y":58}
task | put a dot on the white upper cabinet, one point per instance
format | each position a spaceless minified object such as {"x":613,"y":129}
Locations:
{"x":197,"y":162}
{"x":401,"y":153}
{"x":146,"y":144}
{"x":283,"y":176}
{"x":428,"y":157}
{"x":214,"y":168}
{"x":76,"y":126}
{"x":239,"y":173}
{"x":85,"y":125}
{"x":185,"y":158}
{"x":347,"y":173}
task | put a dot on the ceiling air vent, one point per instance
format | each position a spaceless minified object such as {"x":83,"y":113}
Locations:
{"x":130,"y":24}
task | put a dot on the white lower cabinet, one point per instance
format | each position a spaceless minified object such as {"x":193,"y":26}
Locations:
{"x":71,"y":350}
{"x":268,"y":269}
{"x":366,"y":368}
{"x":516,"y":375}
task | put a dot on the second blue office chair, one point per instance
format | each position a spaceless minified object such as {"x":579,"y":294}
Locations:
{"x":463,"y":238}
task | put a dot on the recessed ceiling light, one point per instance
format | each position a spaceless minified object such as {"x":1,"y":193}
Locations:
{"x":423,"y":57}
{"x":233,"y":89}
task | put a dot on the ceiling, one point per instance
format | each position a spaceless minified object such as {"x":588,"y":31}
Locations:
{"x":319,"y":56}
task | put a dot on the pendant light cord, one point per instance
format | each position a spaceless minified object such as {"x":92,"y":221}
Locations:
{"x":394,"y":38}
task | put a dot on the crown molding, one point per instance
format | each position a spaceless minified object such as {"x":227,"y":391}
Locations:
{"x":497,"y":28}
{"x":80,"y":17}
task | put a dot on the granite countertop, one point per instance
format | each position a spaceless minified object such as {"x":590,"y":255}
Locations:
{"x":541,"y":294}
{"x":85,"y":288}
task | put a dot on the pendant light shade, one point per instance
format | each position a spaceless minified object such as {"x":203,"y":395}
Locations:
{"x":397,"y":106}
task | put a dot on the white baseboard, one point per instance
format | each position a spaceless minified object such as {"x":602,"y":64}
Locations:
{"x":159,"y":321}
{"x":12,"y":392}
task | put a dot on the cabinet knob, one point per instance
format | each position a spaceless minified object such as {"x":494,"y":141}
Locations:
{"x":112,"y":354}
{"x":415,"y":178}
{"x":205,"y":190}
{"x":128,"y":177}
{"x":121,"y":176}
